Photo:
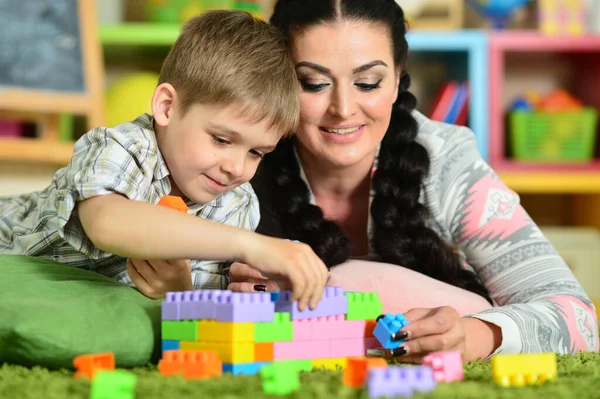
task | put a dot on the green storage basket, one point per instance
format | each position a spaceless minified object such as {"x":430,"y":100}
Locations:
{"x":553,"y":136}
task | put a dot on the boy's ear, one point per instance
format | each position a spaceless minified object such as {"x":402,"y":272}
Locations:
{"x":163,"y":103}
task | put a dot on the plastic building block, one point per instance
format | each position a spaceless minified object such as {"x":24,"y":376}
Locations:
{"x":355,"y":373}
{"x":400,"y":381}
{"x":280,"y":329}
{"x":245,"y":307}
{"x":199,"y":305}
{"x":447,"y":366}
{"x":191,"y":364}
{"x":370,"y":328}
{"x":89,"y":365}
{"x":179,"y":330}
{"x":386,"y":329}
{"x":329,"y":327}
{"x":244,"y":368}
{"x":300,"y":350}
{"x":229,"y":352}
{"x":523,"y":369}
{"x":275,"y":296}
{"x":169,"y":345}
{"x":334,"y":302}
{"x":263,"y":352}
{"x":280,"y":378}
{"x":210,"y":330}
{"x":304,"y":365}
{"x":363,"y":306}
{"x":173,"y":202}
{"x":348,"y":347}
{"x":330,"y":364}
{"x":171,"y":306}
{"x":116,"y":384}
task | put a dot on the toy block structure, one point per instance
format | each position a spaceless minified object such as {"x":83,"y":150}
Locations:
{"x":400,"y":381}
{"x":117,"y":384}
{"x":249,"y":331}
{"x":89,"y":365}
{"x":191,"y":364}
{"x":524,"y":369}
{"x":447,"y":366}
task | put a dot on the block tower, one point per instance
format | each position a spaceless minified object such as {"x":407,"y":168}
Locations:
{"x":251,"y":330}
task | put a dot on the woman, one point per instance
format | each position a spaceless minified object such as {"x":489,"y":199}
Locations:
{"x":368,"y":177}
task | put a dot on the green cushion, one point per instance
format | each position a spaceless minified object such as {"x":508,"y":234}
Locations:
{"x":50,"y":313}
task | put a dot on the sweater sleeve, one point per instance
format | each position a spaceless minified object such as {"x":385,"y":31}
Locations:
{"x":541,"y":307}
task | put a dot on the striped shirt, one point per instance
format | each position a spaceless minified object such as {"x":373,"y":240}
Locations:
{"x":122,"y":160}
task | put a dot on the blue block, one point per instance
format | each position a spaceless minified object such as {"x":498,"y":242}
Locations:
{"x":275,"y":296}
{"x":168,"y":345}
{"x":244,"y":368}
{"x":388,"y":325}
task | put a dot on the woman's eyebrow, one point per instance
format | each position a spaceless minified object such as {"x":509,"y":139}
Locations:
{"x":327,"y":71}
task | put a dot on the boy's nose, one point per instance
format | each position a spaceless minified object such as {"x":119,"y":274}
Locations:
{"x":234,"y":167}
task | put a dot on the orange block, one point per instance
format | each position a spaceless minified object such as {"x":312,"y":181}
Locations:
{"x":355,"y":374}
{"x":263,"y":352}
{"x":369,"y":328}
{"x":173,"y":202}
{"x":191,"y":364}
{"x":89,"y":365}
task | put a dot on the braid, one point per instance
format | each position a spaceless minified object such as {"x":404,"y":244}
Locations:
{"x":300,"y":219}
{"x":401,"y":236}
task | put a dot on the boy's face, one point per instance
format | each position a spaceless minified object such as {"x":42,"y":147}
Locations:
{"x":212,"y":149}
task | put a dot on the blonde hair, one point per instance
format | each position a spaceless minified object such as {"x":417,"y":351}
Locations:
{"x":229,"y":57}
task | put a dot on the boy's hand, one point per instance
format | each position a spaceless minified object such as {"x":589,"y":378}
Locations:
{"x":293,"y":262}
{"x":154,"y":278}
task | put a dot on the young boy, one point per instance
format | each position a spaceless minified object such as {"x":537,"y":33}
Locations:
{"x":227,"y":93}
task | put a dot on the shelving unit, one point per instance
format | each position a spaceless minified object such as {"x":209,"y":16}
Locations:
{"x":579,"y":56}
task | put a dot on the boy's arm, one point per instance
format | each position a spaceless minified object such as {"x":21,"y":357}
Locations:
{"x":139,"y":230}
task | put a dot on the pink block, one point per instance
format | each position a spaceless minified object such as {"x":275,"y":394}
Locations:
{"x":447,"y":366}
{"x":9,"y":128}
{"x":348,"y":347}
{"x":302,"y":330}
{"x":336,"y":327}
{"x":301,"y":350}
{"x":371,"y":343}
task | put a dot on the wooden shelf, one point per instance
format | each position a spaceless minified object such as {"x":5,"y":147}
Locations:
{"x":553,"y":182}
{"x":36,"y":151}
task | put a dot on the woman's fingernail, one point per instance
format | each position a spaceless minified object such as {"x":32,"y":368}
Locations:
{"x":260,"y":288}
{"x":400,"y":351}
{"x":401,"y":335}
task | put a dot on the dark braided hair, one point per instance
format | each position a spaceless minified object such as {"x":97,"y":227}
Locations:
{"x":400,"y":236}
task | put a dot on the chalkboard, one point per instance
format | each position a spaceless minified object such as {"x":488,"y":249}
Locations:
{"x":40,"y":46}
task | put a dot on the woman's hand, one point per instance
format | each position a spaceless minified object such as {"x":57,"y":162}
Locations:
{"x":440,"y":329}
{"x":154,"y":278}
{"x":246,"y":279}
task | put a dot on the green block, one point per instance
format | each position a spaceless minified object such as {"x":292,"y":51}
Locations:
{"x":180,"y":330}
{"x":280,"y":378}
{"x":363,"y":305}
{"x":281,"y":329}
{"x":117,"y":384}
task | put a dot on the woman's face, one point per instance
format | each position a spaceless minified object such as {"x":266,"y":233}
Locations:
{"x":349,"y":84}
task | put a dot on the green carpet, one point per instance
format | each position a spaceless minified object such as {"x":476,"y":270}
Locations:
{"x":579,"y":377}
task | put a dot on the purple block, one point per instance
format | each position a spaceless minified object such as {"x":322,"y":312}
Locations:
{"x":170,"y":306}
{"x":199,"y":305}
{"x":245,"y":307}
{"x":400,"y":381}
{"x":333,"y":303}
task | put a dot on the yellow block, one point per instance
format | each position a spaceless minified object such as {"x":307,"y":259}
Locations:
{"x":330,"y":364}
{"x":229,"y":352}
{"x":210,"y":330}
{"x":523,"y":369}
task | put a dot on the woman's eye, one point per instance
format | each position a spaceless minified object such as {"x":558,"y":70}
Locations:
{"x":369,"y":86}
{"x":313,"y":87}
{"x":220,"y":140}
